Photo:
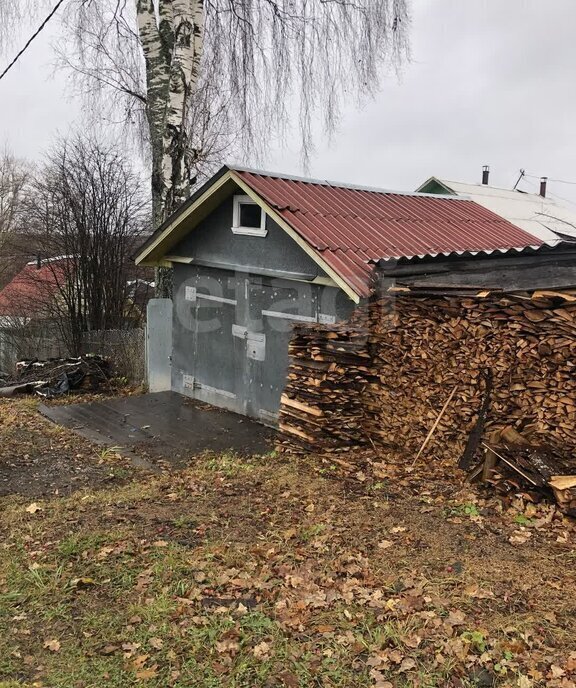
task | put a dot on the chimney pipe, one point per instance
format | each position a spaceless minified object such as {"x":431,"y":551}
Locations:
{"x":485,"y":174}
{"x":543,"y":183}
{"x":38,"y":261}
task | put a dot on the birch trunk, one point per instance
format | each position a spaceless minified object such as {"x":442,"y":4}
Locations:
{"x":172,"y":41}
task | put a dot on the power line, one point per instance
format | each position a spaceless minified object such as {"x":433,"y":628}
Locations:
{"x":34,"y":35}
{"x":557,"y":181}
{"x":550,"y":193}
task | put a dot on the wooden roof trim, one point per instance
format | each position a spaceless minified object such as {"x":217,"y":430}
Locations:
{"x":297,"y":238}
{"x":144,"y":257}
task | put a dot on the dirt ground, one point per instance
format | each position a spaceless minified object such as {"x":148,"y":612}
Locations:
{"x":264,"y":571}
{"x":39,"y":458}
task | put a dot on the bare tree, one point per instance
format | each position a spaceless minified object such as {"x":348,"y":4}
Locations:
{"x":14,"y":176}
{"x":255,"y":61}
{"x":89,"y":212}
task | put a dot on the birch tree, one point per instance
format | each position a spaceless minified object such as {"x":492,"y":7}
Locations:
{"x":242,"y":68}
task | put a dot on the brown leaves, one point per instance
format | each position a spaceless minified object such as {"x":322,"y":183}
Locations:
{"x":229,"y":643}
{"x":156,"y":643}
{"x":519,"y":537}
{"x":146,"y":674}
{"x":52,"y":645}
{"x":262,"y":650}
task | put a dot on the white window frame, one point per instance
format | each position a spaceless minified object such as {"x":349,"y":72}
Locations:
{"x":247,"y":231}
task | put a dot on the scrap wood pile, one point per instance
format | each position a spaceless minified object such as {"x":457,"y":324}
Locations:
{"x":58,"y":376}
{"x":511,"y":463}
{"x":438,"y":374}
{"x":323,"y":403}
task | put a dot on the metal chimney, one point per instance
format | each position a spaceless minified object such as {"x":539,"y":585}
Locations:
{"x":485,"y":174}
{"x":38,"y":261}
{"x":543,"y":184}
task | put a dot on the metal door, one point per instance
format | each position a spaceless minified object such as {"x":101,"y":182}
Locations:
{"x":216,"y":352}
{"x":274,"y":305}
{"x":159,"y":344}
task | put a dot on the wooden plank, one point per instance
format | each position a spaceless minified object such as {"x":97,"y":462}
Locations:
{"x":306,"y":408}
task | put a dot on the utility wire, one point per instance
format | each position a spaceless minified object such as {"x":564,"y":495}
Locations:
{"x":557,"y":181}
{"x":34,"y":35}
{"x":549,"y":194}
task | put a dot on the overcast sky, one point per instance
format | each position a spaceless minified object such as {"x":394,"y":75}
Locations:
{"x":491,"y":82}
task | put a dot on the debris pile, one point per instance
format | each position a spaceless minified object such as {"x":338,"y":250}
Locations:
{"x":511,"y":464}
{"x":58,"y":376}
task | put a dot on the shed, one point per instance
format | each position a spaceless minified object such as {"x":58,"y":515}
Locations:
{"x":254,"y":252}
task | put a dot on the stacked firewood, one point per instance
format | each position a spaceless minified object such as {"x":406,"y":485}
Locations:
{"x":323,"y":403}
{"x":429,"y":348}
{"x":423,"y":361}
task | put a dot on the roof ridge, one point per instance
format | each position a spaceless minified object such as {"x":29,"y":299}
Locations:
{"x":342,"y":185}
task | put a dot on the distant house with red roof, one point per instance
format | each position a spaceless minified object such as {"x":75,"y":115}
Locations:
{"x":29,"y":295}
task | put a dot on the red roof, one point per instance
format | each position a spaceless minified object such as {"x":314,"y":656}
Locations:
{"x":32,"y":289}
{"x":353,"y":228}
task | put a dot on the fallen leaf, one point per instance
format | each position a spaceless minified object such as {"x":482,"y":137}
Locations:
{"x":407,"y":664}
{"x":130,"y":648}
{"x":395,"y":656}
{"x":109,"y":649}
{"x":82,"y":582}
{"x":227,"y":645}
{"x":262,"y":650}
{"x":519,"y":537}
{"x":413,"y":642}
{"x":145,"y":674}
{"x":156,"y":643}
{"x":289,"y":679}
{"x":52,"y":645}
{"x":384,"y":544}
{"x":524,"y":682}
{"x":33,"y":508}
{"x":139,"y":661}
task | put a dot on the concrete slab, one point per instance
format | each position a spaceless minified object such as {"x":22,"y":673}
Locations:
{"x":163,"y":425}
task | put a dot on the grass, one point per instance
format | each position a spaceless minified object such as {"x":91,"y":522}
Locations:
{"x":265,"y":572}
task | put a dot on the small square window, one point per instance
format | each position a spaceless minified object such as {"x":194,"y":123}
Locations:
{"x":248,"y":217}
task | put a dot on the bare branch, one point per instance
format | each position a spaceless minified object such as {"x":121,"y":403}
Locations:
{"x":88,"y":211}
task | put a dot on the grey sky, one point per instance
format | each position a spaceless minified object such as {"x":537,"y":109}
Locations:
{"x":491,"y":82}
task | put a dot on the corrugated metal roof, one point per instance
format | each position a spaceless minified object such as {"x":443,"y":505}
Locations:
{"x":31,"y":290}
{"x":544,"y":218}
{"x":352,"y":227}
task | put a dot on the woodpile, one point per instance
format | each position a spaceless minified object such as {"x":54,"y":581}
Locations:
{"x":323,"y":402}
{"x":385,"y":376}
{"x":425,"y":346}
